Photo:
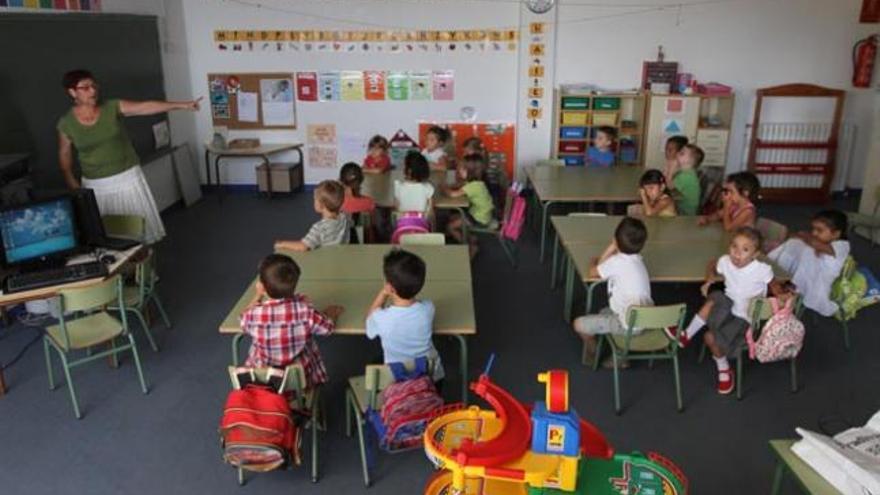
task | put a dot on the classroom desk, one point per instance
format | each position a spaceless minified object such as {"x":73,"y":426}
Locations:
{"x":574,"y":229}
{"x":448,"y":287}
{"x":122,"y":258}
{"x":554,"y":184}
{"x":666,"y":262}
{"x":262,"y":152}
{"x":807,"y":478}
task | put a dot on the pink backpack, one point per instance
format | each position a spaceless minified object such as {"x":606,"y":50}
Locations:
{"x":782,"y":336}
{"x":512,"y":225}
{"x":410,"y":223}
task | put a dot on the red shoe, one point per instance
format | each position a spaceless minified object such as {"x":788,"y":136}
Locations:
{"x":682,"y":336}
{"x":725,"y":382}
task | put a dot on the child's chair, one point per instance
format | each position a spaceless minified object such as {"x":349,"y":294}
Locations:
{"x":363,"y":394}
{"x":143,"y":291}
{"x":650,"y":344}
{"x":774,"y":233}
{"x":96,"y":327}
{"x":302,"y":399}
{"x":496,"y":228}
{"x":871,"y":223}
{"x":431,"y":239}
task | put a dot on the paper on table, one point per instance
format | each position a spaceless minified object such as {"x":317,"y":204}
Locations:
{"x":247,"y":106}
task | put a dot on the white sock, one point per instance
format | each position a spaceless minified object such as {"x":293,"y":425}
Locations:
{"x":696,"y":325}
{"x":722,"y":364}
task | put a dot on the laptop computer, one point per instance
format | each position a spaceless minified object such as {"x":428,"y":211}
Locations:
{"x":91,"y":227}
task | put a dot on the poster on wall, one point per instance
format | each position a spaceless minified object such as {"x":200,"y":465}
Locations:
{"x":420,"y":85}
{"x":247,"y":106}
{"x":328,"y":84}
{"x":352,"y":83}
{"x":374,"y":85}
{"x":307,"y":86}
{"x":444,"y":85}
{"x":277,"y":102}
{"x":322,"y":156}
{"x":397,"y":83}
{"x":321,"y":134}
{"x":321,"y":141}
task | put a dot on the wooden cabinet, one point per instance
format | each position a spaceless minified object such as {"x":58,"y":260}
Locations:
{"x":704,"y":120}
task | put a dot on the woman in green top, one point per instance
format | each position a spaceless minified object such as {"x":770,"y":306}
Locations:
{"x":109,"y":163}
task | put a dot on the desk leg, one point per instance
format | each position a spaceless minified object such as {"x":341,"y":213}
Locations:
{"x":464,"y":226}
{"x":302,"y":166}
{"x":545,"y":212}
{"x":208,"y":168}
{"x":268,"y":175}
{"x":553,"y":264}
{"x":777,"y":479}
{"x":463,"y":365}
{"x":590,"y":287}
{"x":569,"y":289}
{"x":217,"y":174}
{"x":2,"y":383}
{"x":236,"y":339}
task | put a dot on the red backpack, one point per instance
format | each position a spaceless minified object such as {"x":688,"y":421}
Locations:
{"x":258,"y":431}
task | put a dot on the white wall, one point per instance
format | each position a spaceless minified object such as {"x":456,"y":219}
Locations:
{"x":744,"y":44}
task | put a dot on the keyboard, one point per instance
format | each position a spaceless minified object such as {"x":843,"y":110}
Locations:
{"x":55,"y":276}
{"x":116,"y":243}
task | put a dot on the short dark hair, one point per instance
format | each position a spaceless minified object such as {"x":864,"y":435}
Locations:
{"x":473,"y":142}
{"x":750,"y":233}
{"x":405,"y":272}
{"x":679,"y":142}
{"x":699,"y":155}
{"x":441,"y":133}
{"x":474,"y":166}
{"x":378,"y":140}
{"x":72,"y":78}
{"x":415,"y":166}
{"x":746,"y":183}
{"x":630,"y":235}
{"x":835,"y":220}
{"x":652,"y":176}
{"x":331,"y":195}
{"x":609,"y":131}
{"x":279,"y":274}
{"x":352,"y":177}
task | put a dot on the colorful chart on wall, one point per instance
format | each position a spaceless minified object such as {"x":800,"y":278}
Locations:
{"x":397,"y":83}
{"x":328,"y":86}
{"x":420,"y":85}
{"x":374,"y":85}
{"x":352,"y":85}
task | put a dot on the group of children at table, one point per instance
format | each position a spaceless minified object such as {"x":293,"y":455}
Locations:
{"x":814,"y":259}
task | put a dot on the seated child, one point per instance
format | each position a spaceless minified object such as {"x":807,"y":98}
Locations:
{"x":738,"y":194}
{"x":815,"y":259}
{"x":601,"y":154}
{"x":479,"y":212}
{"x":332,"y":228}
{"x":628,"y":284}
{"x":435,"y":148}
{"x":656,"y":201}
{"x":673,"y":146}
{"x":352,"y":177}
{"x":493,"y":176}
{"x":682,"y":172}
{"x":406,"y":324}
{"x":415,"y":193}
{"x":282,"y":323}
{"x":377,"y":160}
{"x":725,"y":311}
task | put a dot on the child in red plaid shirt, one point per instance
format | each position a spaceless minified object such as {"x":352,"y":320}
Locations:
{"x":281,"y":323}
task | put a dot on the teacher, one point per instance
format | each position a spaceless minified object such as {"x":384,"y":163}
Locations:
{"x":107,"y":158}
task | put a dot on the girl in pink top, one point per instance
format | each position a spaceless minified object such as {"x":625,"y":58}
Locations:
{"x":351,"y":176}
{"x":739,"y":192}
{"x":377,"y":160}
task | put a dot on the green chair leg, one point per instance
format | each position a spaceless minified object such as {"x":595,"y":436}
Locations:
{"x":598,"y":359}
{"x":361,"y":441}
{"x":777,"y":479}
{"x":137,"y":365}
{"x":70,"y":386}
{"x":240,"y":477}
{"x":677,"y":375}
{"x":162,"y":313}
{"x":48,"y":364}
{"x":347,"y":415}
{"x":314,"y":425}
{"x":140,"y":317}
{"x":739,"y":375}
{"x":114,"y":358}
{"x":794,"y":383}
{"x":616,"y":382}
{"x":702,"y":355}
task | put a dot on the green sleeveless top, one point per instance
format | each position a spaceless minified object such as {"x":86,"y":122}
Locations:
{"x":103,"y":148}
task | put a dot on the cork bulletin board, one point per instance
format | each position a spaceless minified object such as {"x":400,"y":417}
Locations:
{"x":253,"y":100}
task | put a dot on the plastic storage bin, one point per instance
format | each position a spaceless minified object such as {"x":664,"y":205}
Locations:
{"x":606,"y":103}
{"x":573,"y":133}
{"x":574,"y":161}
{"x":605,"y":118}
{"x":575,"y":118}
{"x":572,"y":146}
{"x":575,"y":103}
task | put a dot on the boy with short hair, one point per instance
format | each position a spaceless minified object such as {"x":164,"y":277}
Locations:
{"x":334,"y":225}
{"x":685,"y":181}
{"x":281,"y":323}
{"x":405,"y":326}
{"x":628,"y":284}
{"x":601,"y":154}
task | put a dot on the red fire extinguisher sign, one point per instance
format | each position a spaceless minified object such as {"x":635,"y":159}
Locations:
{"x":864,"y":53}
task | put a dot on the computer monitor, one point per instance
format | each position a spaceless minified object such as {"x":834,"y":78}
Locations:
{"x":38,"y":231}
{"x":88,"y":217}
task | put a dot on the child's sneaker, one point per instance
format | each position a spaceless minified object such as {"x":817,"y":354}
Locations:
{"x":682,"y":336}
{"x":725,"y":382}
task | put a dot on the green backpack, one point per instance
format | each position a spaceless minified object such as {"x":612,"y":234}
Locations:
{"x":849,"y":290}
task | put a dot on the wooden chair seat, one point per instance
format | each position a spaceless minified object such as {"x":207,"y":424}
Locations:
{"x":86,"y":332}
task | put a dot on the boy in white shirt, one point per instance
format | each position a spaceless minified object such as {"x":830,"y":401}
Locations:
{"x":628,"y":284}
{"x":405,"y":326}
{"x":815,"y":259}
{"x":725,"y":311}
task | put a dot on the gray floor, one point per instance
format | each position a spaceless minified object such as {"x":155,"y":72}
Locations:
{"x":166,"y":442}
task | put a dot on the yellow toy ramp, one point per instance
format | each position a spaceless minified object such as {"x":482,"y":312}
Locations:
{"x":441,"y":484}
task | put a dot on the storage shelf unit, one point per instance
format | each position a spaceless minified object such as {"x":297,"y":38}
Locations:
{"x":577,"y":115}
{"x":704,"y":119}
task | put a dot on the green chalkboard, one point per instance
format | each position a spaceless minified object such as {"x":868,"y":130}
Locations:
{"x":123,"y":52}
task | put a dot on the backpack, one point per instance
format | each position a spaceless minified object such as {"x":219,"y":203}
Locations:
{"x":782,"y":336}
{"x":513,"y":224}
{"x":407,"y":406}
{"x":849,"y":290}
{"x":410,"y":223}
{"x":258,"y":431}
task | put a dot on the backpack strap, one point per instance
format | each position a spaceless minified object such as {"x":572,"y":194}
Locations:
{"x":750,"y":341}
{"x":401,"y":374}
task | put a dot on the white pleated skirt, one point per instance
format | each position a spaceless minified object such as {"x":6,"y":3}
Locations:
{"x":127,"y":193}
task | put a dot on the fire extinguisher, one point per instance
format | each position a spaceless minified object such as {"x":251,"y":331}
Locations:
{"x":864,"y":52}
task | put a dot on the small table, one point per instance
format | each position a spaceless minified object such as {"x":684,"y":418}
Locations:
{"x":787,"y":461}
{"x":122,"y":258}
{"x":262,"y":152}
{"x":555,"y":184}
{"x":351,"y":275}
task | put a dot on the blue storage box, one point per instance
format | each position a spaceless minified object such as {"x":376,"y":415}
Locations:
{"x":574,"y":161}
{"x":573,"y":132}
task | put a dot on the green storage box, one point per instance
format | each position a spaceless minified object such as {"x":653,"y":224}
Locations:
{"x":606,"y":103}
{"x":575,"y":103}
